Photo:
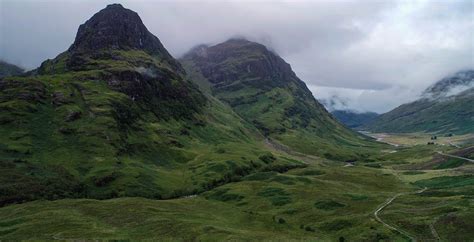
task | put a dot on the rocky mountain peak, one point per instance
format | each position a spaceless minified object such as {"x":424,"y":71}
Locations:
{"x":116,"y":27}
{"x":239,"y":59}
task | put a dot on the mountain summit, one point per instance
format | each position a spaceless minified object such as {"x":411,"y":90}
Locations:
{"x":116,"y":27}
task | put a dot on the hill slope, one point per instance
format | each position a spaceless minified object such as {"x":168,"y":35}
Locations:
{"x":7,"y":69}
{"x":445,"y":107}
{"x":261,"y":87}
{"x":113,"y":116}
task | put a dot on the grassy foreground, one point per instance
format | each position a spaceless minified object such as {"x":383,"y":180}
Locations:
{"x":322,"y":201}
{"x":326,"y":200}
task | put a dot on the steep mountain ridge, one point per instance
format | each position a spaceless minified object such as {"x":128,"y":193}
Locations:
{"x":261,"y":87}
{"x":444,"y":107}
{"x":118,"y":118}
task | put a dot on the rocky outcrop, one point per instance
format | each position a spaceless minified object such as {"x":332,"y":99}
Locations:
{"x":118,"y":28}
{"x":235,"y":59}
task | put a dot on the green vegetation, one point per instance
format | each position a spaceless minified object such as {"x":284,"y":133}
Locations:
{"x":115,"y":143}
{"x":451,"y":163}
{"x":249,"y":209}
{"x":87,"y":131}
{"x":447,"y":181}
{"x":328,"y":205}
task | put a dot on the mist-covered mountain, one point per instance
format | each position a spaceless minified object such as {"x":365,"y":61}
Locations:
{"x":7,"y":69}
{"x":354,"y":119}
{"x":339,"y":108}
{"x":451,"y":85}
{"x":445,"y":107}
{"x":263,"y":89}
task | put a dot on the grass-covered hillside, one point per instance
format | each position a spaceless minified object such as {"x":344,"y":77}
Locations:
{"x":323,"y":201}
{"x":261,"y":87}
{"x":114,"y":140}
{"x":446,"y":107}
{"x":453,"y":114}
{"x":115,"y":120}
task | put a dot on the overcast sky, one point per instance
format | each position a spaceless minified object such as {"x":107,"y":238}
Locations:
{"x":374,"y":55}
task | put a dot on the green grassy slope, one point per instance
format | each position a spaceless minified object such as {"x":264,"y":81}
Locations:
{"x":128,"y":147}
{"x":454,"y":115}
{"x":321,"y":202}
{"x":262,"y":88}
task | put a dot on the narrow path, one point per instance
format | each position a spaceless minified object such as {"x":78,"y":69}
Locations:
{"x":433,"y":231}
{"x":455,"y":156}
{"x":388,"y":202}
{"x":455,"y":145}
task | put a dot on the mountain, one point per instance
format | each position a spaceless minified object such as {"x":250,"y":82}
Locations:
{"x":444,"y":107}
{"x":451,"y":85}
{"x":7,"y":69}
{"x":354,"y":119}
{"x":262,"y":88}
{"x":339,"y":108}
{"x":115,"y":116}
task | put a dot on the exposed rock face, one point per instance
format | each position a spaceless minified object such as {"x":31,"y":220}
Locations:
{"x":115,"y":47}
{"x":118,"y":28}
{"x":238,"y":64}
{"x":249,"y":60}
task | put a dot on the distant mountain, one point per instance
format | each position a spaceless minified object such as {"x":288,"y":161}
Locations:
{"x":445,"y":107}
{"x":450,"y":85}
{"x":262,"y":88}
{"x":335,"y":102}
{"x":339,"y":108}
{"x":7,"y":69}
{"x":354,"y":119}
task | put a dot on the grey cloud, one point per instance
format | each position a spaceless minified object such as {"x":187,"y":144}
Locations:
{"x":365,"y":49}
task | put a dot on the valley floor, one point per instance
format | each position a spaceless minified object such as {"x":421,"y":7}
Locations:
{"x":399,"y":195}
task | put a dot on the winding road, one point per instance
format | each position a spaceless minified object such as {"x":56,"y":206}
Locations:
{"x":386,"y":203}
{"x":455,"y":156}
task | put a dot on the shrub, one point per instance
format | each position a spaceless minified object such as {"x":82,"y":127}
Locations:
{"x":309,"y":229}
{"x":267,"y":158}
{"x":328,"y":205}
{"x":335,"y":225}
{"x":277,"y":196}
